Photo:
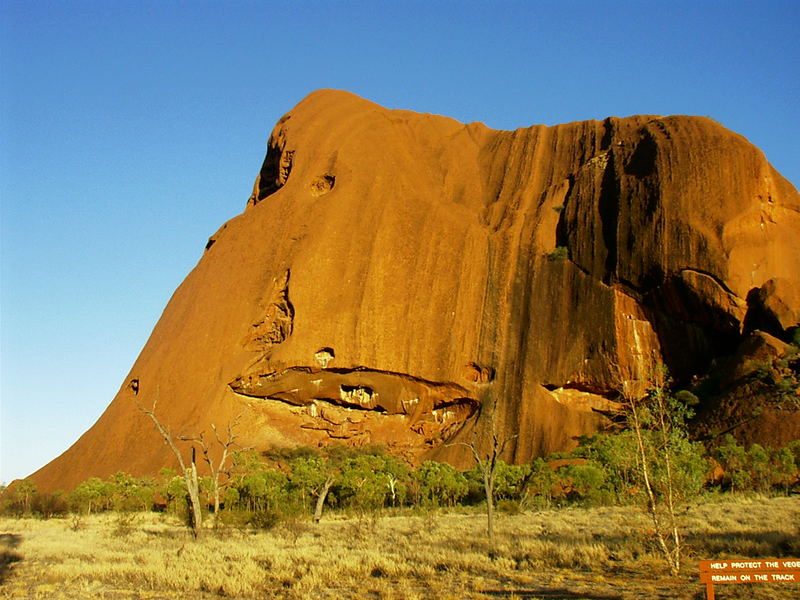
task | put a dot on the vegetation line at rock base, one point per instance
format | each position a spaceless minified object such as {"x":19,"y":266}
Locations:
{"x":601,"y":471}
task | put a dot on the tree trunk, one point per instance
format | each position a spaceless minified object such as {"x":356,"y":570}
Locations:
{"x":652,"y":502}
{"x":321,"y":499}
{"x":189,"y":474}
{"x":194,"y":497}
{"x":488,"y":488}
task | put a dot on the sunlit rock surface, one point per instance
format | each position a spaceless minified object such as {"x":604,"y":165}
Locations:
{"x":408,"y":280}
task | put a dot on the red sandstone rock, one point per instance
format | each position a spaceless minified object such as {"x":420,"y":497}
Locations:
{"x":382,"y":251}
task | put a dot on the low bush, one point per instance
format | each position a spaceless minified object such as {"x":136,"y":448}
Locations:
{"x":558,"y":253}
{"x":248,"y":519}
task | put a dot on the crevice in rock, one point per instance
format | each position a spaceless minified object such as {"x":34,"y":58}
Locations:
{"x":630,"y":288}
{"x":358,"y":396}
{"x":478,"y":374}
{"x":582,"y":269}
{"x":362,"y":390}
{"x":759,"y":317}
{"x":643,"y":160}
{"x":562,"y":239}
{"x":213,"y":239}
{"x":710,"y":275}
{"x":608,"y":206}
{"x":608,"y":134}
{"x":587,"y":387}
{"x":360,"y":373}
{"x":277,"y":321}
{"x":276,"y":168}
{"x":684,"y":300}
{"x":359,"y":404}
{"x":585,"y":397}
{"x":696,"y":321}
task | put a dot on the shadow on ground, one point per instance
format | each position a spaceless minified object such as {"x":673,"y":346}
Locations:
{"x":547,"y":595}
{"x":8,"y":541}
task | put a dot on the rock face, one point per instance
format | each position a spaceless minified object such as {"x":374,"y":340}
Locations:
{"x":408,"y":280}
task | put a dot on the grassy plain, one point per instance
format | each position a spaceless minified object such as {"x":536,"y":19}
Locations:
{"x":571,"y":553}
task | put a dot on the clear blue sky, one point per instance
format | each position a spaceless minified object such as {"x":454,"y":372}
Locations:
{"x":130,"y":131}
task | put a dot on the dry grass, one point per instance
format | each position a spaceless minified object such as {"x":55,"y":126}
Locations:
{"x":568,"y":553}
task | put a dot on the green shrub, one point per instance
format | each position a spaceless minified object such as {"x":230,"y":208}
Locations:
{"x":235,"y":519}
{"x":558,"y":253}
{"x":263,"y":519}
{"x":249,"y":519}
{"x":585,"y":483}
{"x":438,"y":484}
{"x":124,"y":524}
{"x":510,"y":507}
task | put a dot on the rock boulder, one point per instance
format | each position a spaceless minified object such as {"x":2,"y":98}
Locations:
{"x":405,"y":279}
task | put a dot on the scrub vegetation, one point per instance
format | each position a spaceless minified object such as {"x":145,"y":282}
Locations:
{"x":575,"y":525}
{"x":287,"y":484}
{"x":625,"y":514}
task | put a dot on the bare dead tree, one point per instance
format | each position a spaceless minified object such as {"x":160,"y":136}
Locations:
{"x":216,"y":468}
{"x":487,"y":464}
{"x":189,"y":473}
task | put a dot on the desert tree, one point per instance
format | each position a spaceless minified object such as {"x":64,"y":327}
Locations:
{"x":760,"y":467}
{"x":216,"y":467}
{"x":666,"y":462}
{"x":487,"y":463}
{"x":172,"y":488}
{"x":436,"y":484}
{"x":368,"y":480}
{"x":784,"y":469}
{"x":732,"y":457}
{"x":92,"y":494}
{"x":128,"y":493}
{"x":26,"y":490}
{"x":322,"y":494}
{"x":189,"y":472}
{"x":394,"y":474}
{"x":314,"y":476}
{"x":541,"y":484}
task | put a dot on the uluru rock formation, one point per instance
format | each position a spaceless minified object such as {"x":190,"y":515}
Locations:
{"x":405,"y":279}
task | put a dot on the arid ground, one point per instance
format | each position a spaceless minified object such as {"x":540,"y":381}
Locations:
{"x":571,"y":553}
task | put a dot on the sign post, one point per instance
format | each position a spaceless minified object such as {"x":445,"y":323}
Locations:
{"x":746,"y":570}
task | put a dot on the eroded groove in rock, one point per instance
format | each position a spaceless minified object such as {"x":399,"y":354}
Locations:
{"x":277,"y":321}
{"x":276,"y":167}
{"x":697,"y":319}
{"x":431,"y":409}
{"x":324,"y":356}
{"x":643,"y":160}
{"x":711,"y":276}
{"x":773,"y":308}
{"x":364,"y":387}
{"x":579,"y":398}
{"x":609,"y":215}
{"x":322,"y":185}
{"x":478,"y":374}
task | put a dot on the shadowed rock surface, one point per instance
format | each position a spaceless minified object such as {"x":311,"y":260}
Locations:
{"x":405,"y":279}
